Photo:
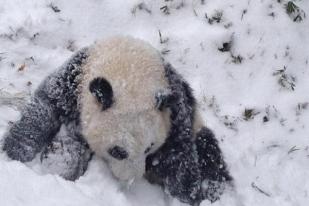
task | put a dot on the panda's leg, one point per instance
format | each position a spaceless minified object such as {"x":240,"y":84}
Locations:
{"x":54,"y":103}
{"x":27,"y":137}
{"x":213,"y":169}
{"x":67,"y":155}
{"x":175,"y":164}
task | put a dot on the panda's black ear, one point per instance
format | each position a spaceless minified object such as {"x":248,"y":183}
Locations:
{"x":101,"y":89}
{"x":165,"y":99}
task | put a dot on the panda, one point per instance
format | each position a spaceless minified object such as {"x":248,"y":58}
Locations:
{"x":120,"y":100}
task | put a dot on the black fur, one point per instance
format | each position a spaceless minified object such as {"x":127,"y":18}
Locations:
{"x":182,"y":111}
{"x":165,"y":99}
{"x":175,"y":164}
{"x":53,"y":104}
{"x":103,"y":91}
{"x":32,"y":132}
{"x":213,"y":169}
{"x":190,"y":167}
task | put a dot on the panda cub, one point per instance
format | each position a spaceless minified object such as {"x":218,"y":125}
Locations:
{"x":122,"y":101}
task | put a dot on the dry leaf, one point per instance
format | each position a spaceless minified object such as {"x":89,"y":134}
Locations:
{"x":22,"y":67}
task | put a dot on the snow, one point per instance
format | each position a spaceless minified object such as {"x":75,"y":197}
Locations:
{"x":268,"y":160}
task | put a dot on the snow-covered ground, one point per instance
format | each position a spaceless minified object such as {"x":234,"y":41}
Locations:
{"x":247,"y":61}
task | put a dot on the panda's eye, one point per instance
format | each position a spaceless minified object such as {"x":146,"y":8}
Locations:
{"x":118,"y":153}
{"x":103,"y":91}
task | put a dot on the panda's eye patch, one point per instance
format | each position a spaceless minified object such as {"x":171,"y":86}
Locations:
{"x":103,"y":91}
{"x":118,"y":153}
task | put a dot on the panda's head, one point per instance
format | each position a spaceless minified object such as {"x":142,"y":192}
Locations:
{"x":119,"y":117}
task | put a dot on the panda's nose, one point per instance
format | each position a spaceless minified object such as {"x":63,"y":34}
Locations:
{"x":118,"y":153}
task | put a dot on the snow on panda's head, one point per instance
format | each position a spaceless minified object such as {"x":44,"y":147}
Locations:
{"x":118,"y":114}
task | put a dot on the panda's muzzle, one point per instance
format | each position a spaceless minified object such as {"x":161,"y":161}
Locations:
{"x":118,"y":153}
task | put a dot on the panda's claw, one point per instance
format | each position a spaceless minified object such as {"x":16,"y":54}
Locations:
{"x":159,"y":101}
{"x":20,"y":150}
{"x":67,"y":155}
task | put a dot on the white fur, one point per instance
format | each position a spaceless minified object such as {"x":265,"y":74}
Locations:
{"x":135,"y":71}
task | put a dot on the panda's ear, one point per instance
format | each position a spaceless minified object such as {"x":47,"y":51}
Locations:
{"x":101,"y":89}
{"x":179,"y":87}
{"x":165,"y":99}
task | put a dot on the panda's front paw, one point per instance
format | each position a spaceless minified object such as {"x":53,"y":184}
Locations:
{"x":175,"y":167}
{"x":67,"y":156}
{"x":19,"y":150}
{"x":165,"y":98}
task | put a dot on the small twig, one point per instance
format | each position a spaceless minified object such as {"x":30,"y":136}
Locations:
{"x":243,"y":13}
{"x":141,"y":6}
{"x":293,"y":149}
{"x":54,"y":8}
{"x":273,"y":146}
{"x":30,"y":59}
{"x":162,"y":40}
{"x":195,"y":13}
{"x":294,"y":12}
{"x":285,"y":80}
{"x":253,"y":185}
{"x":165,"y":10}
{"x":165,"y":51}
{"x":237,"y":59}
{"x":249,"y":113}
{"x":216,"y":17}
{"x":34,"y":36}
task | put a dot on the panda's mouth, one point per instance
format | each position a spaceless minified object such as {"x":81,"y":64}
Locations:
{"x":127,"y":171}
